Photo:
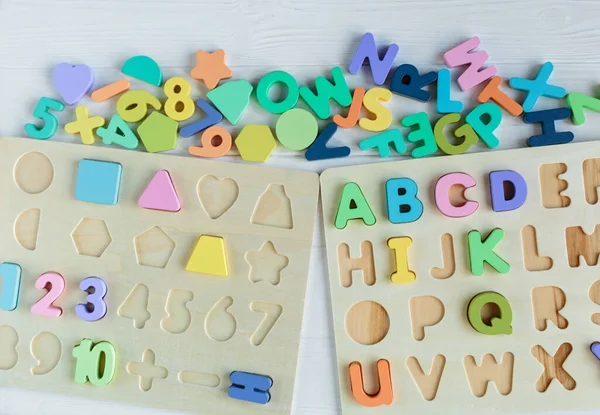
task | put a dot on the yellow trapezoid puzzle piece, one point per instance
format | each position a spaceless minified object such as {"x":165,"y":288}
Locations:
{"x":208,"y":256}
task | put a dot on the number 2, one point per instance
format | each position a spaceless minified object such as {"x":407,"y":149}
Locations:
{"x":50,"y":123}
{"x":95,"y":308}
{"x":45,"y":305}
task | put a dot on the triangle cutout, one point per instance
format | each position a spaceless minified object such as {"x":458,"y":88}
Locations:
{"x":160,"y":194}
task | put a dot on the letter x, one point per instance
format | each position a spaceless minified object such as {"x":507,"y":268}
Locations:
{"x":553,"y":367}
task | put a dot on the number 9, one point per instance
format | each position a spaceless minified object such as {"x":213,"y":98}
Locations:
{"x":133,"y":105}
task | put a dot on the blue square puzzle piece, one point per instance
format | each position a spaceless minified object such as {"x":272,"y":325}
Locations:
{"x":98,"y":182}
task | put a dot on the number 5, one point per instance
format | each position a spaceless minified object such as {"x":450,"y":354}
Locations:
{"x":50,"y":123}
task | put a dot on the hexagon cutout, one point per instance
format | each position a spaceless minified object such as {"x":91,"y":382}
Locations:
{"x":153,"y":248}
{"x":255,"y":143}
{"x":91,"y":237}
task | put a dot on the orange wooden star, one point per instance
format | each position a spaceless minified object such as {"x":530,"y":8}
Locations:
{"x":211,"y":68}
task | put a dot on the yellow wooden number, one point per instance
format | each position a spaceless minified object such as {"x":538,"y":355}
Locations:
{"x":179,"y":106}
{"x":132,"y":106}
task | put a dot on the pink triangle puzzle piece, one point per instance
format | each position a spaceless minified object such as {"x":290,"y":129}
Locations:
{"x":160,"y":194}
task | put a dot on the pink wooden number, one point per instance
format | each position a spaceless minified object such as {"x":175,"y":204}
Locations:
{"x":44,"y":306}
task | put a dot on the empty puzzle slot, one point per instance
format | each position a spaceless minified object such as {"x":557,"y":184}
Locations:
{"x":266,"y":264}
{"x":91,"y":237}
{"x":33,"y":173}
{"x":216,"y":195}
{"x":273,"y":208}
{"x":153,"y":247}
{"x":26,"y":228}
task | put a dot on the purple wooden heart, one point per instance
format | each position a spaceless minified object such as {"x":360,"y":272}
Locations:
{"x":595,"y":348}
{"x":72,"y":81}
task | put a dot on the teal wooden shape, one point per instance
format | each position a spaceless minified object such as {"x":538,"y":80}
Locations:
{"x":144,"y":69}
{"x":231,"y":99}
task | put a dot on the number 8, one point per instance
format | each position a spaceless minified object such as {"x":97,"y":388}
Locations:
{"x":95,"y":308}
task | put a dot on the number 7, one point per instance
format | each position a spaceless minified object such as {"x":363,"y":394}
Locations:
{"x":272,"y":314}
{"x":11,"y":284}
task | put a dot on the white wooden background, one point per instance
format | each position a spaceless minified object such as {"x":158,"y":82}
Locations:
{"x":306,"y":38}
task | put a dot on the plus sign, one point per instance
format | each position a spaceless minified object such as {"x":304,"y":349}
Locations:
{"x":147,"y":370}
{"x":84,"y":125}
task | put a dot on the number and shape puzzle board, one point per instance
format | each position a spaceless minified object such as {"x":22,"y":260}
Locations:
{"x":465,"y":283}
{"x":150,"y":279}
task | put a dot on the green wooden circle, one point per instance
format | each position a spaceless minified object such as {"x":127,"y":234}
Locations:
{"x":265,"y":84}
{"x":296,"y":129}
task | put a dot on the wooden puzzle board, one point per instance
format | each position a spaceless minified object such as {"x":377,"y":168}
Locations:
{"x":197,"y":347}
{"x":453,"y":337}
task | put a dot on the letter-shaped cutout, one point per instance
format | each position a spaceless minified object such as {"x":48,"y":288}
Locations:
{"x":403,"y":274}
{"x":448,"y":256}
{"x":490,"y":371}
{"x":553,"y":367}
{"x":367,"y":50}
{"x":442,"y":199}
{"x":353,"y":205}
{"x":538,"y":87}
{"x":552,"y":185}
{"x":531,"y":257}
{"x":580,"y":243}
{"x":408,"y":82}
{"x":591,"y":179}
{"x":428,"y":384}
{"x":481,"y":251}
{"x":422,"y":134}
{"x":382,"y":116}
{"x":476,"y":73}
{"x":385,"y":394}
{"x":402,"y":202}
{"x":498,"y":325}
{"x":502,"y":200}
{"x":547,"y":303}
{"x":594,"y":294}
{"x":364,"y":262}
{"x":425,"y":311}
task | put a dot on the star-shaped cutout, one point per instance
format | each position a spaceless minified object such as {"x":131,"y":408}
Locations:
{"x":266,"y":264}
{"x":211,"y":68}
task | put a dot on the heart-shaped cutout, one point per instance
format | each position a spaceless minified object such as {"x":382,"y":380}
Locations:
{"x":72,"y":81}
{"x":217,"y":195}
{"x":595,"y":348}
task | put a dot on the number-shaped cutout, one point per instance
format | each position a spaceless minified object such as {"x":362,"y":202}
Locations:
{"x":118,"y":132}
{"x":49,"y":122}
{"x":46,"y":349}
{"x":54,"y":283}
{"x":178,"y":317}
{"x":135,"y":306}
{"x":178,"y":106}
{"x":95,"y":362}
{"x":10,"y":275}
{"x":95,"y":308}
{"x":272,"y":313}
{"x":132,"y":106}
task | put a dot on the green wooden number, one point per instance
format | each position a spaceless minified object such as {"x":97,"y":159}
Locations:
{"x":89,"y":362}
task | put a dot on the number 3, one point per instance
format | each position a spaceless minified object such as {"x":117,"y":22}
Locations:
{"x":95,"y":308}
{"x":50,"y":123}
{"x":45,"y":305}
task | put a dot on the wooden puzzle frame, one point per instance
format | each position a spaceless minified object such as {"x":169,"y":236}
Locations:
{"x":401,"y":320}
{"x":256,"y":211}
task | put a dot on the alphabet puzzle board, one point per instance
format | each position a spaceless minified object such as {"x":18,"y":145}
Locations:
{"x":177,"y":335}
{"x":401,"y":306}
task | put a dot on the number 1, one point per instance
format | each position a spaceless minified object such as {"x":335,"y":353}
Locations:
{"x":11,"y":283}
